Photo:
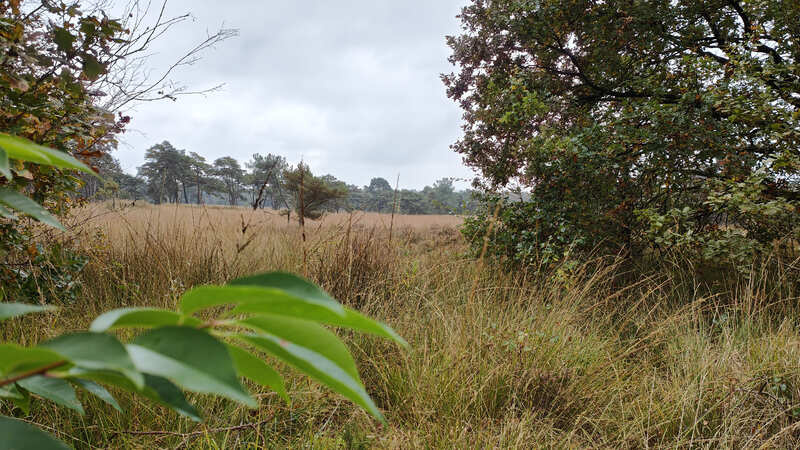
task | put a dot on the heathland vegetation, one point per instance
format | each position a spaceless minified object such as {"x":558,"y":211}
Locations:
{"x":641,"y":289}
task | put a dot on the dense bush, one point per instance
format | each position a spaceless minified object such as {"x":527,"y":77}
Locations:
{"x":643,"y":126}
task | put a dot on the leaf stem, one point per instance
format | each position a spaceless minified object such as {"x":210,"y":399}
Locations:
{"x":33,"y":372}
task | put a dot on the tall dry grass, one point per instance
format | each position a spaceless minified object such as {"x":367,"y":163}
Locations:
{"x":598,"y":355}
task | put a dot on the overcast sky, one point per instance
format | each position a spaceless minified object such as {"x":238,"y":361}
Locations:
{"x":351,"y":86}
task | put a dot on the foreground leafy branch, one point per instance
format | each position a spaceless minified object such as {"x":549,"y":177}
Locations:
{"x":275,"y":314}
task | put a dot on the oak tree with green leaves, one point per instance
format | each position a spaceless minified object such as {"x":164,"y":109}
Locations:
{"x":638,"y":124}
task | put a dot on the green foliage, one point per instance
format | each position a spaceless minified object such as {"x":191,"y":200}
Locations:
{"x":642,"y":126}
{"x":265,"y":180}
{"x":316,"y":192}
{"x":230,"y":175}
{"x":276,"y":313}
{"x":53,"y":59}
{"x":50,"y":273}
{"x":50,"y":268}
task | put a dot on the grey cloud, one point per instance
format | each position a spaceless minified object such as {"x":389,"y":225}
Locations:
{"x":350,"y":86}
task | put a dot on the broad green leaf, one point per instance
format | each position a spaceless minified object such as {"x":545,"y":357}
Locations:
{"x":25,"y":150}
{"x":19,"y":435}
{"x":313,"y":350}
{"x":192,"y":359}
{"x":208,"y":296}
{"x":158,"y":389}
{"x":92,"y":68}
{"x":53,"y":389}
{"x":305,"y":334}
{"x":254,"y":368}
{"x":21,"y":203}
{"x":4,"y":168}
{"x":163,"y":391}
{"x":99,"y":391}
{"x":140,"y":318}
{"x":289,"y":283}
{"x":9,"y":310}
{"x":63,"y":39}
{"x":96,"y":351}
{"x":264,"y":300}
{"x":14,"y":357}
{"x":317,"y":367}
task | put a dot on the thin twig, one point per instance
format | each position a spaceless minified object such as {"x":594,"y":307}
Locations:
{"x":195,"y":433}
{"x":33,"y":372}
{"x":303,"y":220}
{"x":394,"y":207}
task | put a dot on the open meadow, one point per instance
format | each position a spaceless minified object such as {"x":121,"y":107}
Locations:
{"x":591,"y":356}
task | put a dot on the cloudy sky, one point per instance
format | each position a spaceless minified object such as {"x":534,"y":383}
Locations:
{"x":351,"y":86}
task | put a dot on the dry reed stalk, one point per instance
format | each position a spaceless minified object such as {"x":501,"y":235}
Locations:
{"x":303,"y":221}
{"x":394,"y":207}
{"x":349,"y":252}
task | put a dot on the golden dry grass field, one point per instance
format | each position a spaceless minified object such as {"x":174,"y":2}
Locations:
{"x":598,"y":355}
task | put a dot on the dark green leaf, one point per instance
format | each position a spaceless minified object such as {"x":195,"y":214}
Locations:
{"x":63,"y":39}
{"x":21,"y":203}
{"x":53,"y":389}
{"x":155,"y":388}
{"x":98,"y":391}
{"x":9,"y":310}
{"x":19,"y":435}
{"x":163,"y":391}
{"x":192,"y":359}
{"x":92,"y":68}
{"x":96,"y":351}
{"x":140,"y":318}
{"x":24,"y":403}
{"x":254,"y":368}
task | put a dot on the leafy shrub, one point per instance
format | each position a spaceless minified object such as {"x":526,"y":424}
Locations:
{"x":42,"y":273}
{"x":631,"y":129}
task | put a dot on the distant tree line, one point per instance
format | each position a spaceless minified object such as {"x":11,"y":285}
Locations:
{"x":170,"y":175}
